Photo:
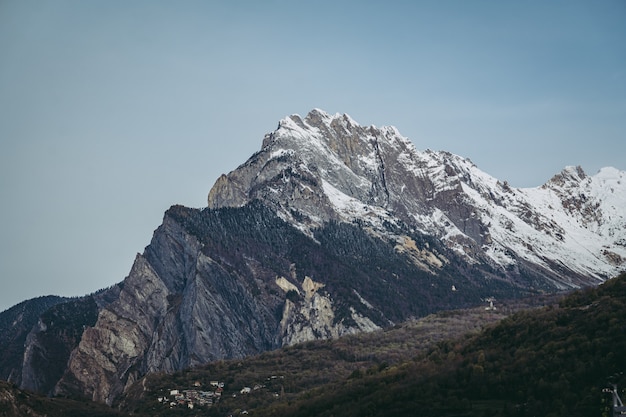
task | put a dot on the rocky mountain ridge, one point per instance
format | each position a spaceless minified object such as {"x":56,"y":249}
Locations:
{"x":330,"y":229}
{"x":324,"y":167}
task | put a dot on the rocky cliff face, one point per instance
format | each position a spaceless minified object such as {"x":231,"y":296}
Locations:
{"x":331,"y":229}
{"x":177,"y":308}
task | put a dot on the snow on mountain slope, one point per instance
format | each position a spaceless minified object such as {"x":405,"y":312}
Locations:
{"x":579,"y":223}
{"x":571,"y":231}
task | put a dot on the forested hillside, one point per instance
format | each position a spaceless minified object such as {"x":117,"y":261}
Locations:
{"x":553,"y":361}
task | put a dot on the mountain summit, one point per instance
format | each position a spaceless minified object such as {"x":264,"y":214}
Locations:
{"x":332,"y":228}
{"x":570,"y":231}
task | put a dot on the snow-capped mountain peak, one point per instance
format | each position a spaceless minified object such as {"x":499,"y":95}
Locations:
{"x":570,"y":231}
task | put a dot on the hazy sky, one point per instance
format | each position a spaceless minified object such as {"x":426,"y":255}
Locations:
{"x":111,"y":111}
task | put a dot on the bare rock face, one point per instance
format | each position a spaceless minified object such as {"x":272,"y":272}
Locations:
{"x":174,"y":311}
{"x":177,"y":308}
{"x":110,"y":354}
{"x":312,"y":316}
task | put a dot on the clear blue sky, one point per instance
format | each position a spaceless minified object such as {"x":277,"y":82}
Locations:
{"x":111,"y":111}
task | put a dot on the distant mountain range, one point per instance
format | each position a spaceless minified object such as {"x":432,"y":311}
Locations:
{"x":330,"y":229}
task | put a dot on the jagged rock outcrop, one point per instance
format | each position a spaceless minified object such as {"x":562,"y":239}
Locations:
{"x":331,"y":228}
{"x":311,"y":316}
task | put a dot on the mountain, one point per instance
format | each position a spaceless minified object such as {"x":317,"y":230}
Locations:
{"x":569,"y":232}
{"x":330,"y":229}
